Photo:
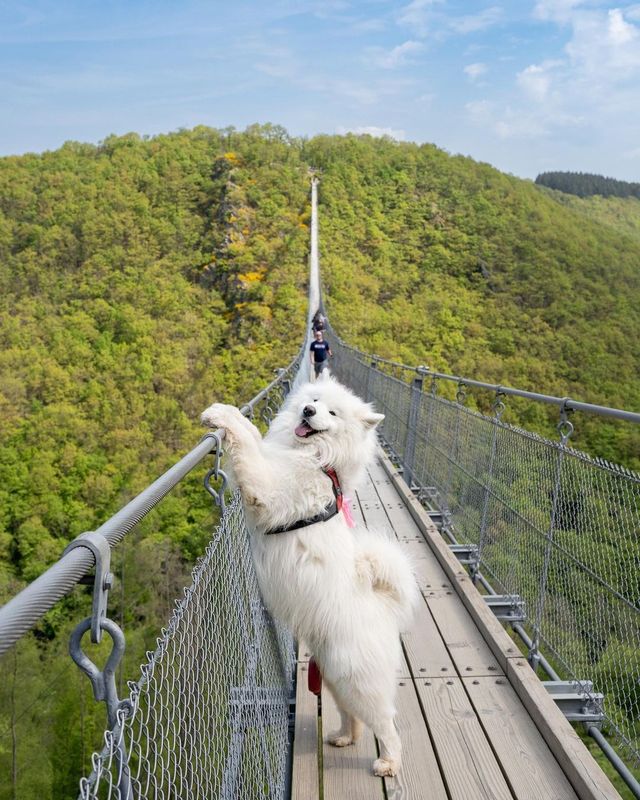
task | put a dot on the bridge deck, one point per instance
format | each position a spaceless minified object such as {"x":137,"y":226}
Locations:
{"x":466,"y":731}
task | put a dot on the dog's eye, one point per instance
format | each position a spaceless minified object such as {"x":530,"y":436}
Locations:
{"x":333,"y":413}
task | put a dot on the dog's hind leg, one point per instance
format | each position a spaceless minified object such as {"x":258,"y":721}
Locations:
{"x":375,"y":709}
{"x":350,"y":730}
{"x":390,"y":748}
{"x":350,"y":727}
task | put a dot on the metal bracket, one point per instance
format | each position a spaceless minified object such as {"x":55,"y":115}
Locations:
{"x":576,"y":700}
{"x":103,"y":579}
{"x":465,"y":553}
{"x":215,"y":472}
{"x":103,"y":682}
{"x":104,"y":689}
{"x":436,"y":517}
{"x":506,"y":607}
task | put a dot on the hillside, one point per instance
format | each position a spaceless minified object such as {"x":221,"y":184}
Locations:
{"x":139,"y":280}
{"x":439,"y":260}
{"x":620,"y":213}
{"x":142,"y":278}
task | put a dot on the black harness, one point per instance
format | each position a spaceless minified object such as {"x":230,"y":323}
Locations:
{"x":334,"y":507}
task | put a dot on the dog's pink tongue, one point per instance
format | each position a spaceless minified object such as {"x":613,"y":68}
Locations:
{"x":303,"y":429}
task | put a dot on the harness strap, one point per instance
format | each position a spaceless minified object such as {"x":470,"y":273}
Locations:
{"x":334,"y":507}
{"x":337,"y":489}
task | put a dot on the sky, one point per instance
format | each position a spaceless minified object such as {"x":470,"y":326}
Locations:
{"x":525,"y":85}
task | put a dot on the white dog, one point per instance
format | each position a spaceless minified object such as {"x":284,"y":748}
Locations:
{"x":345,"y":591}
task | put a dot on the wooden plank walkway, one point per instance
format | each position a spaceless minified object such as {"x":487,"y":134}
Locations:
{"x":466,"y":700}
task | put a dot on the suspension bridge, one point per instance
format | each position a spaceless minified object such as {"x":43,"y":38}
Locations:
{"x":504,"y":527}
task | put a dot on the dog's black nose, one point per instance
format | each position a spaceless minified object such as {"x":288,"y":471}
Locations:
{"x":308,"y":411}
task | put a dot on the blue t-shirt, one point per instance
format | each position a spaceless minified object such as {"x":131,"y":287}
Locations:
{"x":320,"y":350}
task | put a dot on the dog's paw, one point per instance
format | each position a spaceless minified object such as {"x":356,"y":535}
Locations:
{"x":219,"y":415}
{"x":385,"y":768}
{"x":340,"y":739}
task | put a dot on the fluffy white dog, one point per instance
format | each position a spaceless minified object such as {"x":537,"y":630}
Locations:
{"x":347,"y":592}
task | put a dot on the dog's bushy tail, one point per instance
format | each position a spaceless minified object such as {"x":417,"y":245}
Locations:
{"x":392,"y":576}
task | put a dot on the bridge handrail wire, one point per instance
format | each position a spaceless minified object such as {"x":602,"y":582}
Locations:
{"x":22,"y":612}
{"x":568,"y":403}
{"x":542,"y":523}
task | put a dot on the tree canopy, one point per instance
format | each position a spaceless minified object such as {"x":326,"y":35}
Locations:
{"x":142,"y":278}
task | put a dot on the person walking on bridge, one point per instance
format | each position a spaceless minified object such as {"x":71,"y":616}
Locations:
{"x":320,"y":352}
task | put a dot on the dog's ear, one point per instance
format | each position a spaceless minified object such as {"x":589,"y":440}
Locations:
{"x":371,"y":419}
{"x":324,"y":376}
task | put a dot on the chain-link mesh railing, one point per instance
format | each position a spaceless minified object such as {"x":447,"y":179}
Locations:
{"x":209,"y":717}
{"x":551,"y":525}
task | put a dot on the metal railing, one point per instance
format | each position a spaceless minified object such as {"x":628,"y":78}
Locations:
{"x":209,"y":716}
{"x":542,"y":523}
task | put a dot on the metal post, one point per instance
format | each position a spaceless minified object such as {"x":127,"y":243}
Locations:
{"x":412,"y":424}
{"x":461,"y":396}
{"x":565,"y":429}
{"x":498,"y":409}
{"x":372,"y":366}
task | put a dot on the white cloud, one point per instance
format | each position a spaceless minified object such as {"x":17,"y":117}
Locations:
{"x":604,"y":48}
{"x":536,"y":79}
{"x":476,"y":22}
{"x":520,"y":122}
{"x":474,"y":71}
{"x":398,"y":56}
{"x":424,"y":18}
{"x":417,"y":15}
{"x":373,"y":130}
{"x":368,"y":25}
{"x":560,"y":11}
{"x":594,"y":88}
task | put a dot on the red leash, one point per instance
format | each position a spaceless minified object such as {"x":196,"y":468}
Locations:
{"x":314,"y":679}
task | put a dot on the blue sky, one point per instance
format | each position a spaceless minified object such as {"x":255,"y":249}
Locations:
{"x":527,"y":85}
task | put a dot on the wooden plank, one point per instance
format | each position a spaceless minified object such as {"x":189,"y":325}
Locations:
{"x":529,"y":765}
{"x":420,"y":773}
{"x":586,"y":777}
{"x":425,"y":651}
{"x":375,"y":516}
{"x":468,"y":650}
{"x":428,"y":571}
{"x":468,"y":765}
{"x":588,"y":780}
{"x":399,"y":516}
{"x":492,"y":631}
{"x":304,"y":652}
{"x":347,"y":771}
{"x":305,"y":778}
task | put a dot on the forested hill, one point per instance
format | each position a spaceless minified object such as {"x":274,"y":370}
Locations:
{"x":138,"y":281}
{"x":585,"y":184}
{"x":142,"y":278}
{"x":440,"y":260}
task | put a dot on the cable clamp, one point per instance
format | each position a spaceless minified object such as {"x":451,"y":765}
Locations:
{"x":498,"y":406}
{"x":564,"y":427}
{"x":103,"y":579}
